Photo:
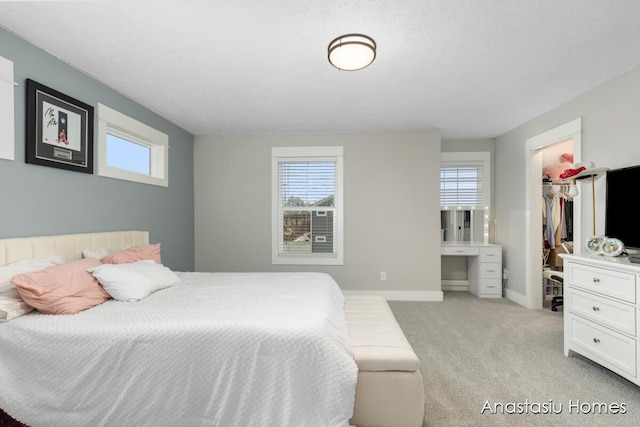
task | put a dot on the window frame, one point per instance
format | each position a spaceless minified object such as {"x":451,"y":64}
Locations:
{"x":122,"y":126}
{"x":313,"y":154}
{"x":471,"y":158}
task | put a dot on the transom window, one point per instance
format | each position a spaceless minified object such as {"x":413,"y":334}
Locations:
{"x":131,"y":150}
{"x":128,"y":155}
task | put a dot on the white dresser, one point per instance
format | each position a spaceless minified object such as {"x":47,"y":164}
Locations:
{"x":601,"y":312}
{"x":484,"y":266}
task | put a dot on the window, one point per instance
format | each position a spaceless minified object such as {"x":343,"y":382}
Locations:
{"x":307,"y":205}
{"x":464,"y":181}
{"x":130,"y":150}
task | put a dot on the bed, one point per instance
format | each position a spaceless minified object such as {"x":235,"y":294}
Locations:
{"x":214,"y":349}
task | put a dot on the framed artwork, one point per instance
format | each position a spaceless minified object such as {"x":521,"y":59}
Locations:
{"x":59,"y":130}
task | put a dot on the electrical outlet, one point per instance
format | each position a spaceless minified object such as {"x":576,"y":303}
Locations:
{"x":505,"y":273}
{"x":383,"y":275}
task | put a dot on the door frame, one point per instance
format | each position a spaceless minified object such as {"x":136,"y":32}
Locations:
{"x":533,"y":204}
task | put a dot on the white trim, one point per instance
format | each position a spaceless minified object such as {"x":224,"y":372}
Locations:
{"x":517,"y":298}
{"x":557,"y":134}
{"x":454,"y":285}
{"x":116,"y":123}
{"x":533,"y":196}
{"x":401,"y":295}
{"x":7,"y":114}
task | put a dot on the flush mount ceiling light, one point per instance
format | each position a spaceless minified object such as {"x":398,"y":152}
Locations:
{"x":352,"y":52}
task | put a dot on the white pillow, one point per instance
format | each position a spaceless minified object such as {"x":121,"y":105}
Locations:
{"x":134,"y":280}
{"x":12,"y":306}
{"x":97,"y":253}
{"x":25,"y":266}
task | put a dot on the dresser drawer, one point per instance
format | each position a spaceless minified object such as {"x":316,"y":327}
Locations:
{"x":491,"y":254}
{"x":459,"y":250}
{"x":490,"y":270}
{"x":617,"y":315}
{"x":612,"y":348}
{"x":490,"y":287}
{"x":616,"y":284}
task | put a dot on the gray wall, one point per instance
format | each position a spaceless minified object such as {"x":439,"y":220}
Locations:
{"x":610,"y":135}
{"x":391,"y":207}
{"x":39,"y":200}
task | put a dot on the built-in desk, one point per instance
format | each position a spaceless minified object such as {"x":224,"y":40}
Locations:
{"x":484,"y":266}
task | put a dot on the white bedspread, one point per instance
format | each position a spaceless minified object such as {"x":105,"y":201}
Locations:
{"x":219,"y":349}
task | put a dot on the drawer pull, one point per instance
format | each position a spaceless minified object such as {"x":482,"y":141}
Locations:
{"x":596,"y":308}
{"x":596,"y":280}
{"x":491,"y":271}
{"x":596,"y":340}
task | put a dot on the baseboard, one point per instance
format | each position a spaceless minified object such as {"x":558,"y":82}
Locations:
{"x":401,"y":295}
{"x":454,"y":285}
{"x":517,"y":298}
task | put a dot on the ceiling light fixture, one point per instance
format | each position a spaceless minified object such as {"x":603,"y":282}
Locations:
{"x":352,"y":52}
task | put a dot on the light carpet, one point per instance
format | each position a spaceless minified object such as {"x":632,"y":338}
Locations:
{"x":491,"y":362}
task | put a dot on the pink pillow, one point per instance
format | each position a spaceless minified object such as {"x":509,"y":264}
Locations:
{"x":133,"y":254}
{"x":64,"y":289}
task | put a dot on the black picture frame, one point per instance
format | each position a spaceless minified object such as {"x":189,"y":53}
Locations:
{"x":59,"y":130}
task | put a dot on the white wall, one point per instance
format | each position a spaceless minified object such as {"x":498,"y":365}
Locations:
{"x":391,"y":208}
{"x":610,"y":138}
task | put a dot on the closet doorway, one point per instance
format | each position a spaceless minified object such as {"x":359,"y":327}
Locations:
{"x":569,"y":133}
{"x":557,"y":220}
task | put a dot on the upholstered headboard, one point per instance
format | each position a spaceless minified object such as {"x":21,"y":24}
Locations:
{"x":69,"y":246}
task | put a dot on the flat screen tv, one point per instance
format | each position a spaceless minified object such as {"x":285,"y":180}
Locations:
{"x":621,"y":221}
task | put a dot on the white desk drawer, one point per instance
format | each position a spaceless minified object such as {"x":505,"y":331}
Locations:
{"x":613,"y":348}
{"x":490,"y":270}
{"x":617,"y":315}
{"x":490,"y":287}
{"x":459,"y":250}
{"x":491,"y":255}
{"x":617,"y":284}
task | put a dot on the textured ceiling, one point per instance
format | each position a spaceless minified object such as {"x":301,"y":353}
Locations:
{"x":473,"y":68}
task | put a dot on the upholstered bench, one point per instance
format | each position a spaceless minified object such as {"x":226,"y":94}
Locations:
{"x":390,"y":391}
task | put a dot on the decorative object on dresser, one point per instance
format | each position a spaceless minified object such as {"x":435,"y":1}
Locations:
{"x":601,"y":312}
{"x":612,"y":247}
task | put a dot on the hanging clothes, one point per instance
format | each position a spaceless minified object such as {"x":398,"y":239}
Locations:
{"x":568,"y":219}
{"x":552,"y":219}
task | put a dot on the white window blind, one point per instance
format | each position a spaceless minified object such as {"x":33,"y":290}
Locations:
{"x":462,"y":185}
{"x":307,"y":207}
